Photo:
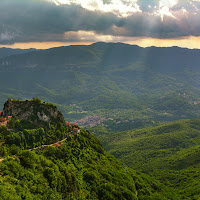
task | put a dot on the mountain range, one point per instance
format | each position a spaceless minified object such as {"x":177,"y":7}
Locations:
{"x":112,"y":80}
{"x":5,"y":52}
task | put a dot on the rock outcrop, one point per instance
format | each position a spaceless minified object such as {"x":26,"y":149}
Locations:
{"x":34,"y":111}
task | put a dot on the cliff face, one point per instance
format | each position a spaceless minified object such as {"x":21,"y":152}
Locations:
{"x":34,"y":111}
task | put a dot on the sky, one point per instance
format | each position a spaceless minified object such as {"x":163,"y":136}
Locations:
{"x":50,"y":23}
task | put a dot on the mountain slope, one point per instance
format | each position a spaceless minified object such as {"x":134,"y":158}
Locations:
{"x":77,"y":167}
{"x":117,"y":81}
{"x":169,"y":152}
{"x":5,"y":52}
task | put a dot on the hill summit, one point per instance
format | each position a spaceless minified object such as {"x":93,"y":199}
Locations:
{"x":34,"y":112}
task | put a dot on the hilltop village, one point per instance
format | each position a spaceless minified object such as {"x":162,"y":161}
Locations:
{"x":4,"y":120}
{"x":72,"y":127}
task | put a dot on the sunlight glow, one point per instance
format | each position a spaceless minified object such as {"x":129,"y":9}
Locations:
{"x":164,"y":11}
{"x":167,"y":3}
{"x":185,"y":42}
{"x":122,"y":8}
{"x":118,"y":7}
{"x":87,"y":36}
{"x":164,"y":8}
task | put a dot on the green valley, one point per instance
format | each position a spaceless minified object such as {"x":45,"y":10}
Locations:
{"x":110,"y":80}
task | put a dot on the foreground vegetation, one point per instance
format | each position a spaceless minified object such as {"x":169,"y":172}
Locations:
{"x":77,"y":167}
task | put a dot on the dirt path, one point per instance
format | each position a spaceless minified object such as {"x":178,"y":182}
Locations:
{"x":48,"y":145}
{"x":1,"y":159}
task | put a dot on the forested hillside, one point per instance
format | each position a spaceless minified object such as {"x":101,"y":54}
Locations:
{"x":53,"y":162}
{"x":169,"y":152}
{"x":129,"y":86}
{"x":5,"y":52}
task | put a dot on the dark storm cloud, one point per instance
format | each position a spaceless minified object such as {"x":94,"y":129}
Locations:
{"x":27,"y":21}
{"x":38,"y":21}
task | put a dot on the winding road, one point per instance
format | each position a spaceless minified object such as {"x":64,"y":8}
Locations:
{"x":42,"y":146}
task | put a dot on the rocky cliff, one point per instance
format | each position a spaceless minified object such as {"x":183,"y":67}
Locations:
{"x":33,"y":111}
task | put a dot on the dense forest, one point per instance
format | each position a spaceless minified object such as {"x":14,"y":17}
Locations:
{"x":74,"y":168}
{"x":168,"y":152}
